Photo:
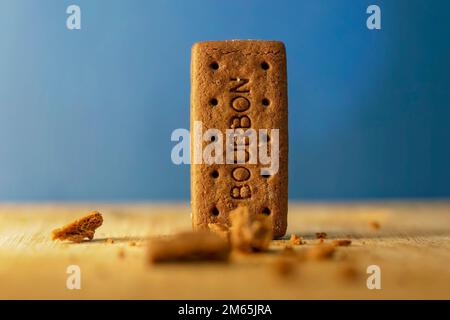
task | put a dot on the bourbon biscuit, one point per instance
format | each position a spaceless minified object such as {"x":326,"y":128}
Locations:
{"x":239,"y":85}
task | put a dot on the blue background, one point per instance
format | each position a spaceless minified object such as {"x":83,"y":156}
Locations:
{"x":88,"y":114}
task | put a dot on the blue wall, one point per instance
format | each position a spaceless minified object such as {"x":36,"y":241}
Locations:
{"x":87,"y":115}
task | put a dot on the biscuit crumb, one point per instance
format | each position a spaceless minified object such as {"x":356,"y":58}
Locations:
{"x":121,"y":253}
{"x":375,"y":225}
{"x":348,"y":273}
{"x":321,"y":235}
{"x":320,"y":252}
{"x":221,"y":230}
{"x":284,"y":267}
{"x":132,"y":243}
{"x":110,"y":240}
{"x":341,"y":242}
{"x":189,"y":246}
{"x":250,"y":232}
{"x":80,"y":229}
{"x":296,"y":240}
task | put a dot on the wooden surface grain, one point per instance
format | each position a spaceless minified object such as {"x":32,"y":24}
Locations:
{"x":411,"y":248}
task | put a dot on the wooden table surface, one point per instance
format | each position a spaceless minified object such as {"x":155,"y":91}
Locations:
{"x":411,"y":248}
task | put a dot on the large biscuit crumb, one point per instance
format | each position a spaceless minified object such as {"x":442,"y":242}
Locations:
{"x":189,"y":246}
{"x":80,"y":229}
{"x":250,"y":232}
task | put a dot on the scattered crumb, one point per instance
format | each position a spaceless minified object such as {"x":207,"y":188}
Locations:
{"x":221,"y":230}
{"x":296,"y":240}
{"x":320,"y":252}
{"x":348,"y":273}
{"x":132,"y":243}
{"x":80,"y":229}
{"x":250,"y":232}
{"x":341,"y":242}
{"x":189,"y":246}
{"x":375,"y":225}
{"x":121,"y":253}
{"x":284,"y":267}
{"x":110,"y":240}
{"x":321,"y":235}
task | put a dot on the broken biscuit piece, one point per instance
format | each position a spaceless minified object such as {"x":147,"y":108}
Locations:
{"x":250,"y":232}
{"x":80,"y":229}
{"x":189,"y":246}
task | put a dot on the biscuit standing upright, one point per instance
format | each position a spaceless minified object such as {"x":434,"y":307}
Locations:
{"x":238,"y":84}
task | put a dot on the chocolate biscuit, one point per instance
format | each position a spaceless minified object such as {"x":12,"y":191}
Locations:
{"x":239,"y":84}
